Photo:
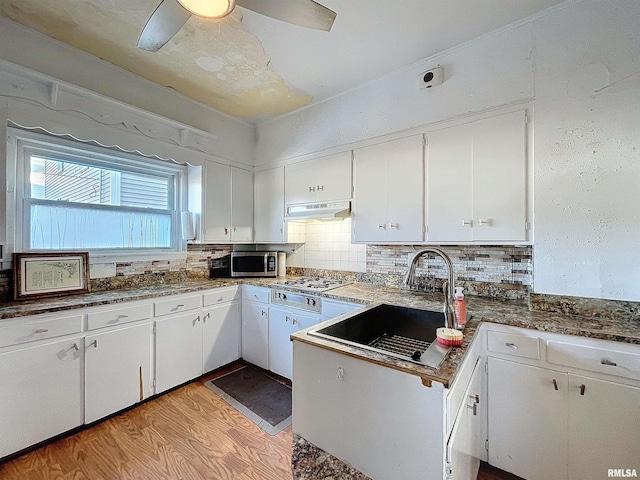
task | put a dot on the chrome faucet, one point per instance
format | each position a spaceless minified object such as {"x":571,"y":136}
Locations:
{"x":448,"y":286}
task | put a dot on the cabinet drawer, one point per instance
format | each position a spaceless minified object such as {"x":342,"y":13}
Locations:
{"x":255,"y":294}
{"x":514,"y":344}
{"x":221,"y":295}
{"x":30,"y":331}
{"x":619,"y":360}
{"x":332,"y":309}
{"x":117,"y":316}
{"x":177,"y":305}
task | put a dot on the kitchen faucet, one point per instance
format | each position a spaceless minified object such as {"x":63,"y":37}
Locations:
{"x":448,"y":286}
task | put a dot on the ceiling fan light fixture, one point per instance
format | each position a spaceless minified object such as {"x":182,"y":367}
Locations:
{"x":209,"y":8}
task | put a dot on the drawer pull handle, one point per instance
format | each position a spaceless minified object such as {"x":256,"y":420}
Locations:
{"x":196,"y":320}
{"x":263,"y":313}
{"x":94,"y":343}
{"x":75,"y":347}
{"x":582,"y":388}
{"x":41,"y":330}
{"x":208,"y":315}
{"x":511,"y":345}
{"x":475,"y":398}
{"x":294,"y":321}
{"x":474,"y":407}
{"x":467,"y":222}
{"x":555,"y":384}
{"x":122,"y":315}
{"x":606,"y":361}
{"x":220,"y":299}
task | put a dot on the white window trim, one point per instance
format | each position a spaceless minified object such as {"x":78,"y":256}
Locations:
{"x":21,"y":142}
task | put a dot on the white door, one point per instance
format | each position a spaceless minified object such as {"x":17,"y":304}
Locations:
{"x":40,"y":393}
{"x":527,"y":420}
{"x":178,"y":350}
{"x":269,"y":205}
{"x":405,"y":184}
{"x":499,"y":178}
{"x":332,"y":175}
{"x":300,"y":183}
{"x":283,"y":323}
{"x":449,"y":184}
{"x":117,"y":370}
{"x":604,"y":427}
{"x":241,"y":205}
{"x":221,"y":335}
{"x":216,"y":215}
{"x":255,"y":333}
{"x":369,"y":196}
{"x":466,"y":443}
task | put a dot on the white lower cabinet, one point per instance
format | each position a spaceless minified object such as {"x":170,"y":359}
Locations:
{"x":527,"y":420}
{"x":255,"y":333}
{"x":178,"y":350}
{"x":40,"y":393}
{"x":283,"y":323}
{"x":117,"y":370}
{"x":221,"y":335}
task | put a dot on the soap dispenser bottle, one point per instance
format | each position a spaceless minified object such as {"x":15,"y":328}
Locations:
{"x":460,"y":307}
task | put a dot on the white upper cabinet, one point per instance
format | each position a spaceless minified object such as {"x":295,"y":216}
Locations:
{"x":227,"y":214}
{"x":388,"y":191}
{"x":269,"y":205}
{"x":476,"y":181}
{"x":322,"y":179}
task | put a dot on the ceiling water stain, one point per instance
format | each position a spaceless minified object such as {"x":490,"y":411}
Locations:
{"x":191,"y":62}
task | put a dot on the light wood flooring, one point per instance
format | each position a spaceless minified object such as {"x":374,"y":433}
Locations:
{"x":187,"y":434}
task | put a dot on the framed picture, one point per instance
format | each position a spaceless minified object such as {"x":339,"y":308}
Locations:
{"x":38,"y":275}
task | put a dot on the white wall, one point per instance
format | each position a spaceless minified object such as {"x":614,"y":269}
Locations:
{"x":580,"y":63}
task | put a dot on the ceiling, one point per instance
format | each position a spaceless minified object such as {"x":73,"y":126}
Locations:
{"x":254,"y":67}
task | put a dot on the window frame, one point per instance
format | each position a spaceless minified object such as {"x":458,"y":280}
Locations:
{"x":26,"y":143}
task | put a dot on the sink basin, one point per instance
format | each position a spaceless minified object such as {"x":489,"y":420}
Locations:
{"x":402,"y":332}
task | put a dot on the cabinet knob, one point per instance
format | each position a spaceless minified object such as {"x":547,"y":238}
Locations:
{"x":582,"y":389}
{"x":321,"y":188}
{"x":263,"y":313}
{"x":555,"y":384}
{"x":94,"y":344}
{"x":294,"y":321}
{"x":382,"y":226}
{"x":312,"y":189}
{"x":286,"y":318}
{"x":226,"y":230}
{"x":394,"y":226}
{"x":488,"y":222}
{"x":340,"y":373}
{"x":467,"y":223}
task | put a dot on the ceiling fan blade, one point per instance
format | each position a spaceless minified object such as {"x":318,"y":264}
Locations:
{"x":163,"y":24}
{"x":305,"y":13}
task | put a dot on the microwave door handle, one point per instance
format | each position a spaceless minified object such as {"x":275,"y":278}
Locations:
{"x":265,"y":267}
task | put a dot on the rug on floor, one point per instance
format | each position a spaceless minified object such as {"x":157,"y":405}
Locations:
{"x":259,"y":397}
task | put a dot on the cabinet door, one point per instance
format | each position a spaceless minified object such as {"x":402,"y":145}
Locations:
{"x":299,"y":186}
{"x":449,"y":184}
{"x":269,"y":205}
{"x":604,"y":427}
{"x":41,"y":393}
{"x":216,"y":215}
{"x":221,"y":335}
{"x":405,"y":187}
{"x":255,"y":333}
{"x":499,"y":178}
{"x":178,"y":350}
{"x":283,"y":323}
{"x":527,"y":420}
{"x":388,"y":191}
{"x":241,"y":205}
{"x":117,"y":370}
{"x":465,"y":447}
{"x":332,"y":176}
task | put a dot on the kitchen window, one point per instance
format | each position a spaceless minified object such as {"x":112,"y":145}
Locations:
{"x":78,"y":196}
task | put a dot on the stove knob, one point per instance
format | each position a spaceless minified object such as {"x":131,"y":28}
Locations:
{"x":307,"y":301}
{"x":284,"y":296}
{"x":312,"y":301}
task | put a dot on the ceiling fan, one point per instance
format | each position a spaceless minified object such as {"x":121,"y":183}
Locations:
{"x":171,"y":15}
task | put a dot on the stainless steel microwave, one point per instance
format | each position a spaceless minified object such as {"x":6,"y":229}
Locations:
{"x":254,"y":264}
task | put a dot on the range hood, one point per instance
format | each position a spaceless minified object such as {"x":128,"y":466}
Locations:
{"x":326,"y":210}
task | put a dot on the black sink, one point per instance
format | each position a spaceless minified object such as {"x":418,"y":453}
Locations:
{"x":407,"y":333}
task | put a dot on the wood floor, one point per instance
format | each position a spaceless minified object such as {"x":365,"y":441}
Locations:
{"x":188,"y":434}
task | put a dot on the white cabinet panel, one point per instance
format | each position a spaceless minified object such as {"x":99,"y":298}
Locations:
{"x":388,"y":191}
{"x":178,"y":350}
{"x":41,"y":393}
{"x":221,"y":335}
{"x":269,"y":205}
{"x":216,"y":215}
{"x":282,"y":324}
{"x":221,"y":295}
{"x":331,"y":309}
{"x":177,"y":304}
{"x":241,"y":205}
{"x":604,"y":427}
{"x":319,"y":180}
{"x":255,"y":333}
{"x":42,"y":327}
{"x":527,"y":420}
{"x":111,"y":317}
{"x":476,"y":181}
{"x":117,"y":370}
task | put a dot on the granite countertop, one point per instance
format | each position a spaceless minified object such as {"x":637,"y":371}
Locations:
{"x":482,"y":309}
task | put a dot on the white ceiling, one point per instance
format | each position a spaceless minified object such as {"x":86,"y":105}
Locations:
{"x":254,"y":67}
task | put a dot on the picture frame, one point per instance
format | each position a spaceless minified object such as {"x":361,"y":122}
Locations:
{"x":50,"y":274}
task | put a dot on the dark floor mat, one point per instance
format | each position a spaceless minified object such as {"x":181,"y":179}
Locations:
{"x":265,"y":401}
